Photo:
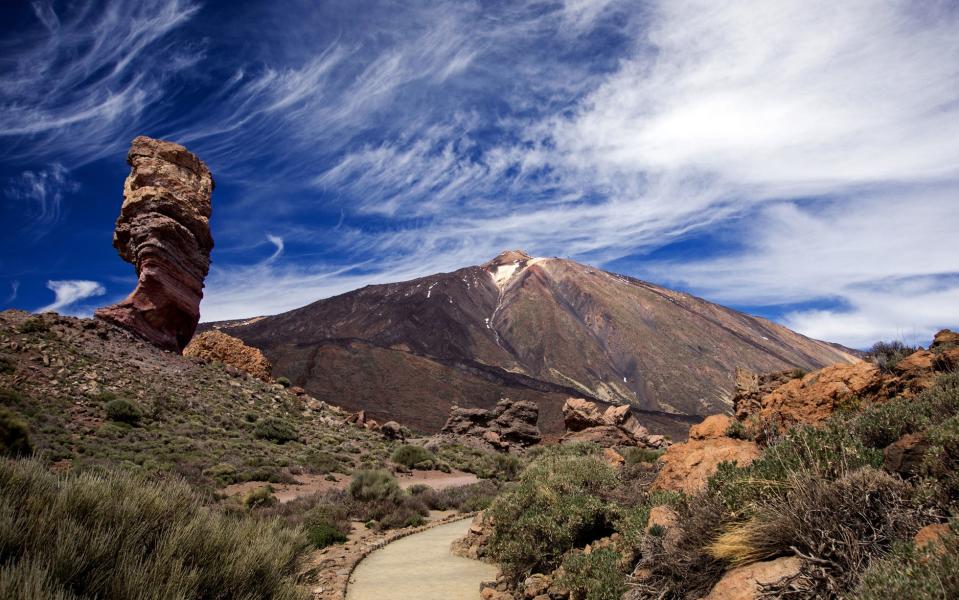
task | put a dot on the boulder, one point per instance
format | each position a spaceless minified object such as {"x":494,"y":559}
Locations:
{"x":231,"y":351}
{"x":392,"y":430}
{"x":742,"y":583}
{"x":713,"y":426}
{"x":613,"y":458}
{"x":622,"y":417}
{"x":904,"y":456}
{"x":687,"y":466}
{"x":473,"y":544}
{"x":932,"y":536}
{"x":164,"y":230}
{"x":536,"y":585}
{"x":617,"y":426}
{"x":579,"y":414}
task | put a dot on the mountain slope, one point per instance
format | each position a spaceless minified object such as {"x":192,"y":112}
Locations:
{"x":532,"y":328}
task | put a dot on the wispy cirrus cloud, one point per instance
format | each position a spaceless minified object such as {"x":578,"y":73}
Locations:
{"x":40,"y":194}
{"x":80,"y":81}
{"x":391,"y":140}
{"x":70,"y":294}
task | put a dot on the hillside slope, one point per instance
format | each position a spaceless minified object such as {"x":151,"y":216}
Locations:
{"x":532,"y":328}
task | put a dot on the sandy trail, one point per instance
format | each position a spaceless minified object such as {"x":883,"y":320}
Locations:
{"x":420,"y":567}
{"x":311,"y":484}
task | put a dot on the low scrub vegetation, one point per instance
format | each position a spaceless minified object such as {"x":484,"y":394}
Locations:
{"x":123,"y":411}
{"x":116,"y":536}
{"x":275,"y":430}
{"x":886,"y":355}
{"x":413,"y":457}
{"x":14,"y":434}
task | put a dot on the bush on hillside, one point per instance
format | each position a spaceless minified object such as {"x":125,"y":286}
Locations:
{"x":412,"y":456}
{"x":260,"y":497}
{"x":558,"y":504}
{"x":594,"y":576}
{"x":284,"y":381}
{"x":375,"y":485}
{"x":327,"y":524}
{"x":113,"y":536}
{"x":124,"y":411}
{"x":886,"y":355}
{"x":14,"y":434}
{"x":464,"y":498}
{"x":34,"y":325}
{"x":275,"y":430}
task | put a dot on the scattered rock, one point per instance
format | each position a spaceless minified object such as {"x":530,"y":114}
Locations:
{"x":579,"y":414}
{"x":536,"y":584}
{"x":473,"y":544}
{"x":742,"y":583}
{"x":164,"y":230}
{"x":714,"y":426}
{"x":509,"y":425}
{"x":216,"y":345}
{"x":687,"y":466}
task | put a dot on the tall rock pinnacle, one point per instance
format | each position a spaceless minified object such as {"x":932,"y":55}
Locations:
{"x":164,"y":230}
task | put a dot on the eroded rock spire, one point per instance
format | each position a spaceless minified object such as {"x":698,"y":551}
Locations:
{"x":164,"y":230}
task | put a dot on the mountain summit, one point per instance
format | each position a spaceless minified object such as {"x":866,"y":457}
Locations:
{"x":540,"y":329}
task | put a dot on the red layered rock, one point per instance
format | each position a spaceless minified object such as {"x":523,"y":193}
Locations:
{"x":164,"y":230}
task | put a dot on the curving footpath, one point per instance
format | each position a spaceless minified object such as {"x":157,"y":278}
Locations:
{"x":420,"y":567}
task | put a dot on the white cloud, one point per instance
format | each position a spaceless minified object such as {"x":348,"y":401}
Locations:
{"x":42,"y":191}
{"x":14,"y":290}
{"x":68,"y":293}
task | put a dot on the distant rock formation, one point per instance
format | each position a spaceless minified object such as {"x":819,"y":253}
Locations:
{"x":509,"y":425}
{"x":164,"y":230}
{"x":616,"y":426}
{"x":216,"y":345}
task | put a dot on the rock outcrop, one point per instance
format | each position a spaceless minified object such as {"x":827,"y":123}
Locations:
{"x":508,"y":426}
{"x":785,"y":400}
{"x":164,"y":230}
{"x":687,"y":466}
{"x":616,"y":426}
{"x":216,"y":345}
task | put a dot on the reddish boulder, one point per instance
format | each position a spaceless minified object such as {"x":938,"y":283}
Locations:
{"x":743,"y":583}
{"x":164,"y":230}
{"x":509,"y":424}
{"x":687,"y":466}
{"x":579,"y":414}
{"x":904,"y":456}
{"x":216,"y":345}
{"x":713,"y":426}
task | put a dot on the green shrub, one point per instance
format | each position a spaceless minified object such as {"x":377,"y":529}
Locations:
{"x":322,"y":535}
{"x":941,"y":460}
{"x":594,"y":576}
{"x":285,"y":382}
{"x":114,"y":536}
{"x":260,"y":497}
{"x":411,"y":456}
{"x":464,"y":498}
{"x":377,"y":485}
{"x":223,"y":473}
{"x":327,"y":524}
{"x":880,"y":425}
{"x":14,"y":434}
{"x":322,"y":462}
{"x":6,"y":365}
{"x":275,"y":430}
{"x":558,"y":504}
{"x":931,"y":573}
{"x":124,"y":411}
{"x":636,"y":455}
{"x":34,"y":325}
{"x":886,"y":355}
{"x":738,"y":431}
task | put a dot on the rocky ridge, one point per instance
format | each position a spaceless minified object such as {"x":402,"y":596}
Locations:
{"x":216,"y":345}
{"x":164,"y":230}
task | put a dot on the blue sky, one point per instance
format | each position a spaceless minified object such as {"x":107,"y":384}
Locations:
{"x":799,"y":160}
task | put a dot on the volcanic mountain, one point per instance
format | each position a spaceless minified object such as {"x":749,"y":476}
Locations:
{"x":540,"y":329}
